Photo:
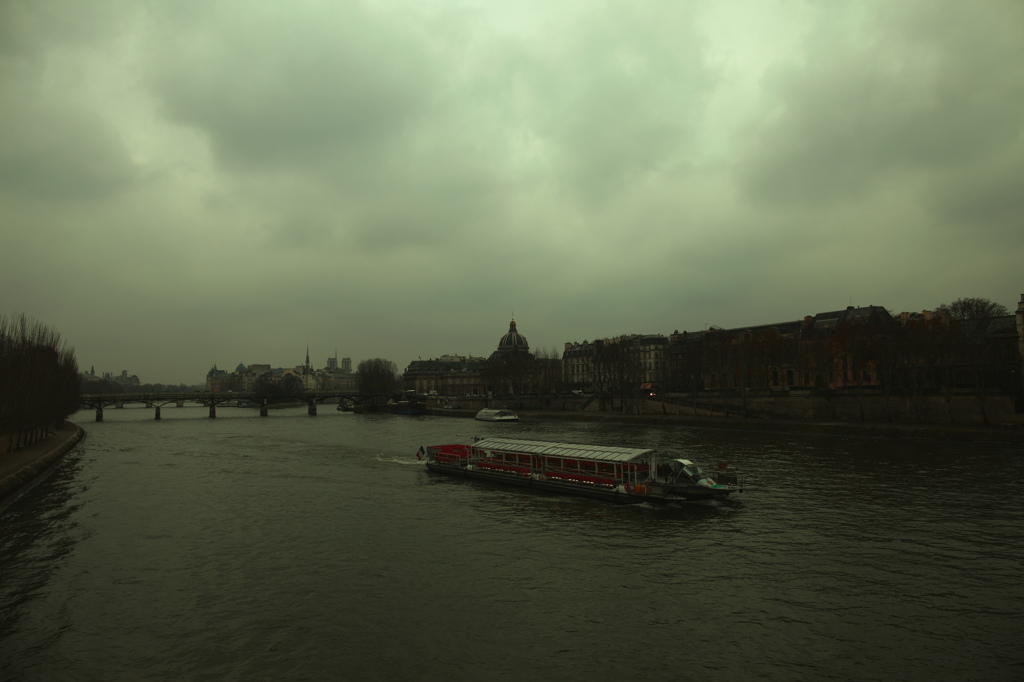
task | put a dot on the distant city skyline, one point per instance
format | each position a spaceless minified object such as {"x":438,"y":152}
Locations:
{"x":332,"y":363}
{"x":556,"y":348}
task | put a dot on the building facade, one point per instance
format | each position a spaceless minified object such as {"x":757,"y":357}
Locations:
{"x":851,"y":348}
{"x":450,"y":375}
{"x":624,"y":364}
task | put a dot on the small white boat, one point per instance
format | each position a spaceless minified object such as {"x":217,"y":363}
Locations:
{"x":488,"y":415}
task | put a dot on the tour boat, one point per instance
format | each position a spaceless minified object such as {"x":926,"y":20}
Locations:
{"x":487,"y":415}
{"x":616,"y":474}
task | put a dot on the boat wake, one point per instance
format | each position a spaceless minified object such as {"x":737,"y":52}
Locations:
{"x":395,"y":459}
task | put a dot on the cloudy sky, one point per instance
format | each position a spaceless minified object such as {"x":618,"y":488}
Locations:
{"x":228,"y":181}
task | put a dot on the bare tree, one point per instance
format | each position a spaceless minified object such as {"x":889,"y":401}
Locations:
{"x":971,"y":309}
{"x":39,"y":380}
{"x":618,"y":371}
{"x":379,"y":377}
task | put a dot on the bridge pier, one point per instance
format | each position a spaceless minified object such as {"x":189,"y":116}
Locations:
{"x":99,"y":414}
{"x":312,"y":410}
{"x":179,"y":403}
{"x":119,"y":405}
{"x":264,"y":410}
{"x":213,"y":411}
{"x":157,"y":416}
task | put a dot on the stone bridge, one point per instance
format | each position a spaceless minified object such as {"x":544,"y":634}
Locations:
{"x":212,"y":400}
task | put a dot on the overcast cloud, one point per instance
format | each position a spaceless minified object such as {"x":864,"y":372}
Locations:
{"x":226,"y":181}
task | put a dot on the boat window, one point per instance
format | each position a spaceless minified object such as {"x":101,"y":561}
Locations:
{"x":693,"y":471}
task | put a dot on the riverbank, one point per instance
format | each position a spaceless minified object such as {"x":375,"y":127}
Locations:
{"x":966,"y":434}
{"x":22,"y":470}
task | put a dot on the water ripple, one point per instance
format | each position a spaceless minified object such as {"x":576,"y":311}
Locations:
{"x":293,"y":547}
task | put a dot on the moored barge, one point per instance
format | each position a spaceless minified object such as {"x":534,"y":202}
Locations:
{"x":615,"y":474}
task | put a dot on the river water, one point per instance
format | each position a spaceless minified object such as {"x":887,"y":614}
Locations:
{"x":293,"y":547}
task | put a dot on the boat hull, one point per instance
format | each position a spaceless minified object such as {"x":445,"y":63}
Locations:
{"x":651,"y":494}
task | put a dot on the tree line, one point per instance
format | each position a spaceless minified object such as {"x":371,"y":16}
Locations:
{"x":39,"y":381}
{"x":107,"y":387}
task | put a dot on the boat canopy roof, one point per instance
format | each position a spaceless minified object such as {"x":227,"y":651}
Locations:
{"x":608,"y":453}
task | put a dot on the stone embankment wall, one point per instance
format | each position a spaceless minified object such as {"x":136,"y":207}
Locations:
{"x":22,"y":470}
{"x":960,"y":410}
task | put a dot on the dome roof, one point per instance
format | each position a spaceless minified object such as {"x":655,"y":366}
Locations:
{"x":513,"y":340}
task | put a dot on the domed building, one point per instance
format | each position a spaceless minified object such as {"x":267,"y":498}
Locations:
{"x":513,"y":342}
{"x":512,"y":370}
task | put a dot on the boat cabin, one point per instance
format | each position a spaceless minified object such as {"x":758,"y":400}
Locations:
{"x":590,"y":464}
